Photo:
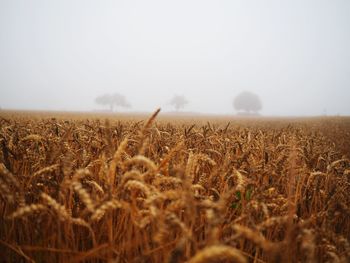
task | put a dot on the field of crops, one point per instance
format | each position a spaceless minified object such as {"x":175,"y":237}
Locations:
{"x":171,"y":189}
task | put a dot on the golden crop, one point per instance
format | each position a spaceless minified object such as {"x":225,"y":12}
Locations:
{"x":174,"y":190}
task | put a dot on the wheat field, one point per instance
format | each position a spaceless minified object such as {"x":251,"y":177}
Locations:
{"x":84,"y":188}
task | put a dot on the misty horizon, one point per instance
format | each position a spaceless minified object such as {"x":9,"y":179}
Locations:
{"x":63,"y":55}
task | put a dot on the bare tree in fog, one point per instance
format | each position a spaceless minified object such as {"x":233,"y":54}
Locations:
{"x":112,"y":100}
{"x":178,"y":102}
{"x":248,"y":102}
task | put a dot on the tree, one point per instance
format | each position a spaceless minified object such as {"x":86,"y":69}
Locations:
{"x":112,"y":100}
{"x":178,"y":102}
{"x":248,"y":102}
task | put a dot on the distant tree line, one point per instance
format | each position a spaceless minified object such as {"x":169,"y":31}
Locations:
{"x":113,"y":100}
{"x":178,"y":102}
{"x":246,"y":102}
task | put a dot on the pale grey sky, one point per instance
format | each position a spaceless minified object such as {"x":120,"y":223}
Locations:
{"x":60,"y":55}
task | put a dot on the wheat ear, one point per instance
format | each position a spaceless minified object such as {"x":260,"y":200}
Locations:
{"x":216,"y":253}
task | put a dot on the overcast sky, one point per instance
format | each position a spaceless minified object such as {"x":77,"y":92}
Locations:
{"x":60,"y":55}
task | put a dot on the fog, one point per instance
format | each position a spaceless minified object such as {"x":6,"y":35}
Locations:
{"x":61,"y":55}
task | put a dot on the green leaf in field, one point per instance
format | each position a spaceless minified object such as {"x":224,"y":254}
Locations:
{"x":234,"y":205}
{"x":238,"y":195}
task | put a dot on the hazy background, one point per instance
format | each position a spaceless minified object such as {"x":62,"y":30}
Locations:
{"x":60,"y":55}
